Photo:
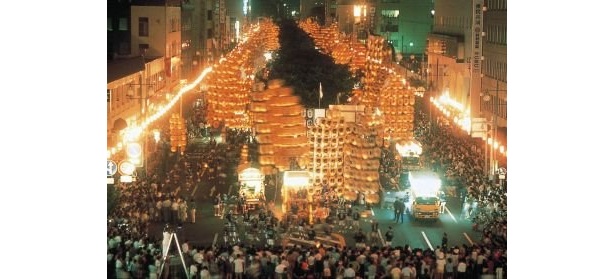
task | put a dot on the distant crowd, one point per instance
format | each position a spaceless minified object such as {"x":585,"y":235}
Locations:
{"x":132,"y":253}
{"x":143,"y":259}
{"x":459,"y":160}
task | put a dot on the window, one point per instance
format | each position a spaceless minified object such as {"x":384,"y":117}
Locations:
{"x":210,"y":15}
{"x":504,"y":77}
{"x":143,"y":48}
{"x":186,"y":23}
{"x":174,"y":48}
{"x":210,"y":33}
{"x":389,"y":13}
{"x":143,"y":27}
{"x":504,"y":31}
{"x":389,"y":27}
{"x":174,"y":24}
{"x":123,"y":24}
{"x":390,"y":17}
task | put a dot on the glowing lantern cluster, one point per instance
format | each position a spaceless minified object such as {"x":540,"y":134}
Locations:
{"x":279,"y":127}
{"x":230,"y":82}
{"x":397,"y":104}
{"x":375,"y":72}
{"x":362,"y":159}
{"x":326,"y":141}
{"x":326,"y":38}
{"x":331,"y":37}
{"x":329,"y":41}
{"x":271,"y":31}
{"x":359,"y":56}
{"x":227,"y":97}
{"x":177,"y":129}
{"x":341,"y":53}
{"x":312,"y":28}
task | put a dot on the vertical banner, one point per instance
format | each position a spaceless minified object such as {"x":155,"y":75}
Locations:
{"x":477,"y":54}
{"x":477,"y":41}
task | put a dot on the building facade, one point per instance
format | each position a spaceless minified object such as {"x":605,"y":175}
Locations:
{"x":449,"y":52}
{"x":494,"y":63}
{"x":118,"y":29}
{"x":355,"y":18}
{"x":134,"y":87}
{"x":467,"y":66}
{"x":404,"y":23}
{"x":157,"y":33}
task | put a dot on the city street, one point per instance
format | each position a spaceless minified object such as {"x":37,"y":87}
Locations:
{"x":208,"y":228}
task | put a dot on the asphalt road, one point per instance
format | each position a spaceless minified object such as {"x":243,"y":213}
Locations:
{"x":208,"y":229}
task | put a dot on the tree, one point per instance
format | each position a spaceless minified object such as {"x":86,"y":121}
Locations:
{"x":304,"y":68}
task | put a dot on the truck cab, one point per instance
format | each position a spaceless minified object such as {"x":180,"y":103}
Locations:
{"x":426,"y":208}
{"x":425,"y":202}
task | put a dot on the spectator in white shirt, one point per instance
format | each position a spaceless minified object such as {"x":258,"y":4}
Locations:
{"x":205,"y":274}
{"x":198,"y":257}
{"x":349,"y":272}
{"x":461,"y":269}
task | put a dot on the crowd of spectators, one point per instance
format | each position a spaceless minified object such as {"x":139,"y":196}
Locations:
{"x":458,"y":158}
{"x":132,"y":253}
{"x":143,"y":259}
{"x":163,"y":197}
{"x":389,"y":169}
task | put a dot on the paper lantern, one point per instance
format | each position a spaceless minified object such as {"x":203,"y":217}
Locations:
{"x":350,"y":195}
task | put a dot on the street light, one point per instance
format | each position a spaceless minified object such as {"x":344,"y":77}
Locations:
{"x":144,"y":100}
{"x":432,"y":98}
{"x":495,"y":111}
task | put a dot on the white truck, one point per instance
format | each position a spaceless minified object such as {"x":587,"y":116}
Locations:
{"x":410,"y":154}
{"x":425,"y":202}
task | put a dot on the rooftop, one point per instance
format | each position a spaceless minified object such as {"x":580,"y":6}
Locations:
{"x":119,"y":68}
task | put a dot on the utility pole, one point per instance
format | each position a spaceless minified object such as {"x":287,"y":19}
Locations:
{"x":495,"y":112}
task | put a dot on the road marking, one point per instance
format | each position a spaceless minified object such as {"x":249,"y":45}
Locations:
{"x":451,"y":214}
{"x":381,"y":239}
{"x":427,"y":240}
{"x":215,"y":240}
{"x":469,"y":239}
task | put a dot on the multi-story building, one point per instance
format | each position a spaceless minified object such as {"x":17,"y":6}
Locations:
{"x":404,"y":23}
{"x":493,"y":84}
{"x":133,"y":85}
{"x":494,"y":63}
{"x":118,"y":29}
{"x":192,"y":37}
{"x":143,"y":59}
{"x":199,"y":34}
{"x":449,"y":51}
{"x":355,"y":17}
{"x":237,"y":12}
{"x":308,"y":8}
{"x":157,"y":32}
{"x":467,"y":63}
